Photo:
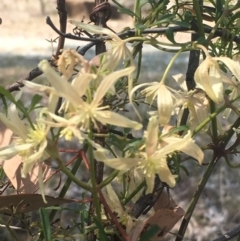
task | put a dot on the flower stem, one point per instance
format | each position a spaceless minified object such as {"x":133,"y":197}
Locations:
{"x":210,"y":36}
{"x":195,"y":198}
{"x":93,"y":179}
{"x":137,"y":11}
{"x":71,"y":176}
{"x":197,"y":8}
{"x":129,"y":198}
{"x":135,"y":39}
{"x":214,"y":122}
{"x":108,"y":179}
{"x":212,"y":116}
{"x":170,"y":65}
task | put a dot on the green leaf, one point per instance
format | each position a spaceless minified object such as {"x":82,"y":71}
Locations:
{"x":45,"y":224}
{"x":9,"y":96}
{"x":184,"y":169}
{"x":201,"y":40}
{"x":101,"y":231}
{"x":170,"y":36}
{"x":176,"y":130}
{"x":140,"y":26}
{"x":219,"y":9}
{"x":5,"y":106}
{"x":164,"y":19}
{"x":143,"y":2}
{"x":128,"y":12}
{"x":150,"y":233}
{"x":35,"y":100}
{"x":182,"y":24}
{"x":124,"y":10}
{"x":233,"y":18}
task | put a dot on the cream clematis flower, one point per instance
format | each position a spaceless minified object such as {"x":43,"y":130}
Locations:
{"x":84,"y":113}
{"x":153,"y":161}
{"x":232,"y":83}
{"x":196,"y":102}
{"x":166,"y":99}
{"x":208,"y":77}
{"x":29,"y":142}
{"x":68,"y":60}
{"x":116,"y":53}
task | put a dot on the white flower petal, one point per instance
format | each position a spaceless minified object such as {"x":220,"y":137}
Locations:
{"x":165,"y":104}
{"x":115,"y":203}
{"x":95,"y":29}
{"x":121,"y":164}
{"x":112,"y":118}
{"x":233,"y":66}
{"x":209,"y":78}
{"x":62,"y":87}
{"x":14,"y":128}
{"x":13,"y":149}
{"x":108,"y":81}
{"x":152,"y":136}
{"x":165,"y":174}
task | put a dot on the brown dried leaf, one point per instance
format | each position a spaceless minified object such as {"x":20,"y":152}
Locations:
{"x":23,"y":203}
{"x":164,"y":202}
{"x":13,"y":166}
{"x":167,"y":214}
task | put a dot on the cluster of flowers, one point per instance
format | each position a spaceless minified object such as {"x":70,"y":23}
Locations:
{"x":83,"y":108}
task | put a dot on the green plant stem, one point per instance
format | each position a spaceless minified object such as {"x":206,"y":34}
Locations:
{"x":230,"y":132}
{"x":129,"y":198}
{"x":195,"y":198}
{"x":207,"y":174}
{"x":135,"y":39}
{"x":93,"y":179}
{"x":197,"y":8}
{"x":214,"y":123}
{"x":137,"y":12}
{"x":170,"y":65}
{"x":72,"y":177}
{"x":107,"y":180}
{"x":212,"y":116}
{"x":210,"y":36}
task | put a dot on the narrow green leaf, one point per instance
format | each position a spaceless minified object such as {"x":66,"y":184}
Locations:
{"x":176,"y":130}
{"x":170,"y":36}
{"x":150,"y":233}
{"x":164,"y":19}
{"x":182,"y":24}
{"x":45,"y":224}
{"x":5,"y":106}
{"x":124,"y":10}
{"x":143,"y":2}
{"x":9,"y":96}
{"x":184,"y":169}
{"x":140,"y":26}
{"x":128,"y":12}
{"x":35,"y":100}
{"x":219,"y":8}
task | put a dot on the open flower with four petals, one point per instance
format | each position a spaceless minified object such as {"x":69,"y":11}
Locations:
{"x":153,"y":160}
